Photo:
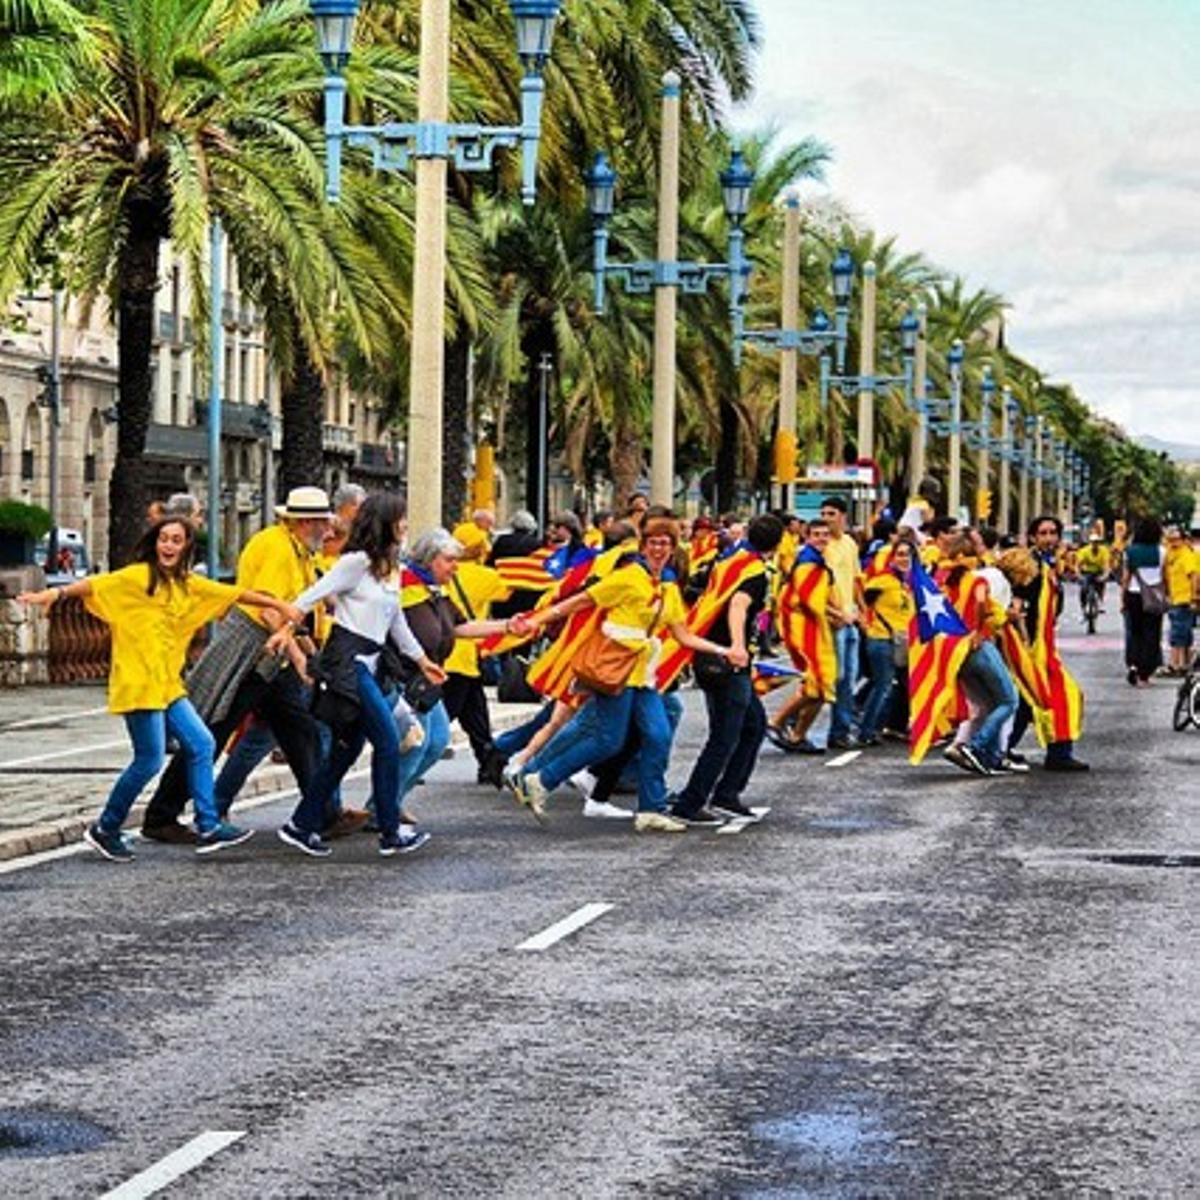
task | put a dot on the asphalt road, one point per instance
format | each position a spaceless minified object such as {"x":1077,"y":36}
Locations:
{"x":904,"y":982}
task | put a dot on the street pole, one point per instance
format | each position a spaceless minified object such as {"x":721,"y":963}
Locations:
{"x":954,"y":498}
{"x":866,"y":379}
{"x":662,"y":448}
{"x":427,"y":367}
{"x":921,"y":432}
{"x":1006,"y":441}
{"x":55,"y":397}
{"x":984,"y":462}
{"x":216,"y":352}
{"x":1037,"y":467}
{"x":790,"y":319}
{"x":545,"y":366}
{"x":1026,"y":461}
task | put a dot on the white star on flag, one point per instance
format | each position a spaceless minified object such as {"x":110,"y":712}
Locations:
{"x":933,"y":606}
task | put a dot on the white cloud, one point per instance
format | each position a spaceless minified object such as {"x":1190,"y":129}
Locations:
{"x":1085,"y":215}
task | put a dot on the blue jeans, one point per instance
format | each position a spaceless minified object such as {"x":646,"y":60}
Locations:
{"x":988,"y":682}
{"x":598,"y":731}
{"x":512,"y":740}
{"x":736,"y":725}
{"x":148,"y":728}
{"x":846,"y":644}
{"x":417,"y":762}
{"x":252,"y":747}
{"x":377,"y":726}
{"x":882,"y":661}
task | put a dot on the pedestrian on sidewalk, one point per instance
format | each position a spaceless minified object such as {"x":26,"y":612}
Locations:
{"x":1144,"y":602}
{"x":153,"y":607}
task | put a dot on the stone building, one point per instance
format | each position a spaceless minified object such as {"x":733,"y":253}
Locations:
{"x":357,"y":445}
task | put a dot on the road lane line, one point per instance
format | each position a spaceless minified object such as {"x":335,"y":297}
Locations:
{"x":843,"y":760}
{"x":36,"y":758}
{"x":564,"y":928}
{"x":175,"y":1165}
{"x":737,"y":825}
{"x":33,"y":722}
{"x":42,"y":856}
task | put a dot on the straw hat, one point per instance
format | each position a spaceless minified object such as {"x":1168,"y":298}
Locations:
{"x":304,"y":503}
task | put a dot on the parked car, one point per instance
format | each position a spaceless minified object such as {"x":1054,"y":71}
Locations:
{"x":70,"y":559}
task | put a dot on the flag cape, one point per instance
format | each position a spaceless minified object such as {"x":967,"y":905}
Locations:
{"x":702,"y":550}
{"x":938,"y":644}
{"x":1061,"y":720}
{"x":804,"y":623}
{"x":727,"y":576}
{"x":415,"y":586}
{"x":1028,"y":677}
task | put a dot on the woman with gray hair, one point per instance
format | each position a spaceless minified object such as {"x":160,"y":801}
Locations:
{"x":435,"y":622}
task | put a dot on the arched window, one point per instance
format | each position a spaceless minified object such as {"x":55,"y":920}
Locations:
{"x":31,"y":444}
{"x":93,"y":447}
{"x":5,"y":442}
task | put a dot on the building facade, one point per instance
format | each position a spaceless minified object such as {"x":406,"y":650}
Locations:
{"x":358,"y":446}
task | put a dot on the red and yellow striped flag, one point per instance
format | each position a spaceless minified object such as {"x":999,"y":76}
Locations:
{"x":804,"y":624}
{"x":1061,"y":720}
{"x":727,"y":576}
{"x":527,"y":572}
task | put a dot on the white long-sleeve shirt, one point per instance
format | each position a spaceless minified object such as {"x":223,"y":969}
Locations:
{"x":365,"y":605}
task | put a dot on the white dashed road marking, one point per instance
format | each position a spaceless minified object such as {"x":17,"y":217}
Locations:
{"x":53,"y":719}
{"x":843,"y":760}
{"x":37,"y":758}
{"x":175,"y":1165}
{"x":564,"y":928}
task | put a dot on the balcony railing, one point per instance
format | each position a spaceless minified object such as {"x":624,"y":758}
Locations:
{"x":383,"y":460}
{"x":337,"y":439}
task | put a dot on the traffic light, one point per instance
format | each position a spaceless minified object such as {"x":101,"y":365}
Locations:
{"x":983,"y":503}
{"x":785,"y":457}
{"x":45,"y":377}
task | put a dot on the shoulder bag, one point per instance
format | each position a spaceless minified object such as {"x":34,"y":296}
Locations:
{"x":603,"y":664}
{"x":1154,"y":595}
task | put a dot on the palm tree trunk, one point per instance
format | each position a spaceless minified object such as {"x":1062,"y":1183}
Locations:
{"x":302,"y":402}
{"x":626,"y":460}
{"x":137,"y":276}
{"x":727,"y":458}
{"x":455,"y":417}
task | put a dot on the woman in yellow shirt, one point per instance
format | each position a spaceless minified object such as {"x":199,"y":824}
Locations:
{"x":153,"y":607}
{"x":639,"y":601}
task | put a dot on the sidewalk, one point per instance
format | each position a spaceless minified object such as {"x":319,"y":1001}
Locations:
{"x":59,"y":756}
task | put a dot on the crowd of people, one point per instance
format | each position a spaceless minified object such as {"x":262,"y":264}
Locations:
{"x":338,"y":633}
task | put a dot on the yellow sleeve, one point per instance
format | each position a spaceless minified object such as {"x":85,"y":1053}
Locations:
{"x":208,"y":599}
{"x":674,"y":611}
{"x":614,"y":589}
{"x":495,"y":587}
{"x":112,"y":594}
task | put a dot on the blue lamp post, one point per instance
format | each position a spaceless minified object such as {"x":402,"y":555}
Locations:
{"x":979,"y":435}
{"x":469,"y":146}
{"x":665,"y":276}
{"x":944,"y":414}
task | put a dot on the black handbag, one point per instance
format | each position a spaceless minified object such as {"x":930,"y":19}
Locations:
{"x":513,"y":687}
{"x":421,"y":694}
{"x":710,"y":670}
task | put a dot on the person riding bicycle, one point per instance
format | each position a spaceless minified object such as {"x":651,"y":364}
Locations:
{"x":1094,"y":565}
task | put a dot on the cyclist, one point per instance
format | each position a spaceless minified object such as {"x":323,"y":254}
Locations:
{"x":1094,"y":565}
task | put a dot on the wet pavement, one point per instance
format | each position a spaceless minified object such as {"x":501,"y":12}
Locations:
{"x":903,"y":982}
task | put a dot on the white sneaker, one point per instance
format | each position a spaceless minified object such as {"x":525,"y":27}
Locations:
{"x":603,"y":810}
{"x":510,"y":775}
{"x":532,"y":793}
{"x":656,"y":822}
{"x":584,"y":782}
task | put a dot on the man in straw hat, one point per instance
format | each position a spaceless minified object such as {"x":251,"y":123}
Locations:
{"x":233,"y":678}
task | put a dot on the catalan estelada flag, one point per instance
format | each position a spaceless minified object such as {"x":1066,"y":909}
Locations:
{"x":804,"y":624}
{"x":1018,"y":657}
{"x":1062,"y":718}
{"x":416,"y":586}
{"x":702,"y":550}
{"x":728,"y":574}
{"x":938,"y":643}
{"x":767,"y":676}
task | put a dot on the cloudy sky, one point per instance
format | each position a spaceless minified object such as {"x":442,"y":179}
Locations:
{"x":1046,"y":149}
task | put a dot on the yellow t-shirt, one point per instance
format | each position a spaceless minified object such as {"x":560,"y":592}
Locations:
{"x":151,"y":633}
{"x":273,"y":561}
{"x":841,"y":556}
{"x":1093,"y":560}
{"x":894,"y":604}
{"x":1180,"y":566}
{"x":631,"y":597}
{"x":482,"y":585}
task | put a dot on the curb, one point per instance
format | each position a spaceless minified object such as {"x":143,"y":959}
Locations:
{"x":51,"y":835}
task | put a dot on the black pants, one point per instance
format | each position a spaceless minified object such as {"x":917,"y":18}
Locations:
{"x":466,"y":703}
{"x":736,"y":725}
{"x":608,"y":773}
{"x":1143,"y":637}
{"x":283,"y":705}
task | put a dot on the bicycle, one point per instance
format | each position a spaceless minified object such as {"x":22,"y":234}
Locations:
{"x":1089,"y":600}
{"x":1187,"y":699}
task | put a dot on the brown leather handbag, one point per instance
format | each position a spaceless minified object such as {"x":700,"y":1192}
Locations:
{"x":603,"y":665}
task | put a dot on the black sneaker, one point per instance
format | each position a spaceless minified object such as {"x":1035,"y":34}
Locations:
{"x":308,"y":843}
{"x":807,"y":747}
{"x":957,"y":755}
{"x":702,"y":817}
{"x":221,"y":836}
{"x":402,"y":843}
{"x":846,"y":742}
{"x":977,"y":764}
{"x":1066,"y":764}
{"x":113,"y":846}
{"x":733,"y":810}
